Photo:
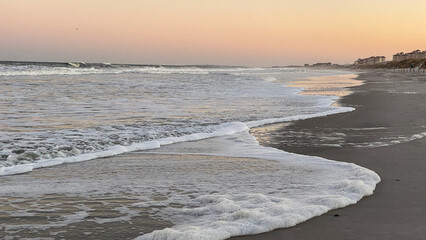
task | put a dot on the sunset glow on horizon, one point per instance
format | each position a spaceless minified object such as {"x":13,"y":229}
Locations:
{"x":228,"y":32}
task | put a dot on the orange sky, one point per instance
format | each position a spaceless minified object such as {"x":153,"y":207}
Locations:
{"x":233,"y":32}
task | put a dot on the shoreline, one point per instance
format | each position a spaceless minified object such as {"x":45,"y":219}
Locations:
{"x":92,"y":212}
{"x":384,"y":134}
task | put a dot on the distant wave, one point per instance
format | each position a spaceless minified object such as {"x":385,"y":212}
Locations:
{"x":42,"y":70}
{"x":81,"y":68}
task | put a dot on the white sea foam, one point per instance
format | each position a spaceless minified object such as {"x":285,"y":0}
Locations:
{"x":208,"y":198}
{"x":295,"y":118}
{"x":220,"y":216}
{"x":391,"y":141}
{"x":107,"y":68}
{"x":221,"y":130}
{"x":127,"y":216}
{"x":269,"y":78}
{"x":65,"y":221}
{"x":43,"y":71}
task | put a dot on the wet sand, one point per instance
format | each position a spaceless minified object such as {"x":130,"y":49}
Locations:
{"x":119,"y":197}
{"x":382,"y":134}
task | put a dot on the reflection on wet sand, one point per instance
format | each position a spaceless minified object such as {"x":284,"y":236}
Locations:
{"x":327,"y":85}
{"x":59,"y":216}
{"x":337,"y":85}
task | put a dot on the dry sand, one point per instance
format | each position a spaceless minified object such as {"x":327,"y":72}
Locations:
{"x":388,"y":106}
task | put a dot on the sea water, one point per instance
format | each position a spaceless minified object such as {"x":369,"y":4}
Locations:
{"x":51,"y":114}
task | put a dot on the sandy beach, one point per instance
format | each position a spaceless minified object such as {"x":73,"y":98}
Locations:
{"x":202,"y":120}
{"x":383,"y":134}
{"x":124,"y":196}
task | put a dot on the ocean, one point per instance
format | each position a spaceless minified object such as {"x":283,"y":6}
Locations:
{"x":172,"y":152}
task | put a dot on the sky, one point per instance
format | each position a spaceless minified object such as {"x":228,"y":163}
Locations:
{"x":223,"y":32}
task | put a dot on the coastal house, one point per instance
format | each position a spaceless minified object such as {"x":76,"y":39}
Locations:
{"x":328,"y":64}
{"x":417,"y":54}
{"x":370,"y":61}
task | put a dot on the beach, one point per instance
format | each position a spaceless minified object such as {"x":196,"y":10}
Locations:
{"x":212,"y":120}
{"x":194,"y":181}
{"x":388,"y":105}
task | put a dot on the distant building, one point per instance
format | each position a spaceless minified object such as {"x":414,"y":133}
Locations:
{"x":306,"y":65}
{"x":417,"y":54}
{"x":370,"y":60}
{"x":322,"y":64}
{"x":399,"y":57}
